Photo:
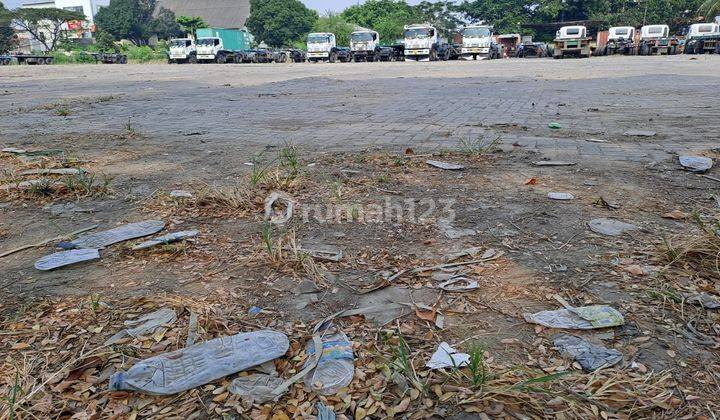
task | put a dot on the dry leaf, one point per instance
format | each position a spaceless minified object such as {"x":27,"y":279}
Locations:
{"x":360,"y":413}
{"x":635,"y":270}
{"x":675,"y":214}
{"x":426,"y":315}
{"x":402,"y":406}
{"x":20,"y":346}
{"x":531,"y":181}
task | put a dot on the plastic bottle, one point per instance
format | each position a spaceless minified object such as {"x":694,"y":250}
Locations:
{"x":336,"y":367}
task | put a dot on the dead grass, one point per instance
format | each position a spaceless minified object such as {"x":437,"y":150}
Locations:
{"x":696,"y":251}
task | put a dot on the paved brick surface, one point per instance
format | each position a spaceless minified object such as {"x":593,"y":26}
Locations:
{"x":242,"y":109}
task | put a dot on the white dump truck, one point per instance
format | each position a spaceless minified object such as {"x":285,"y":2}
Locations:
{"x":572,"y":41}
{"x":478,"y":43}
{"x":424,"y":43}
{"x":182,"y":50}
{"x":656,"y":39}
{"x":621,"y":40}
{"x":322,"y":46}
{"x":703,"y":38}
{"x":365,"y":45}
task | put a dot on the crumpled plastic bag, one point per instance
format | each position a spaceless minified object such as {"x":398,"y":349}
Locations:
{"x":590,"y":356}
{"x":582,"y":318}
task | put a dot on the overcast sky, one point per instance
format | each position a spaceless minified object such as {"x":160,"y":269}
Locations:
{"x":319,"y":5}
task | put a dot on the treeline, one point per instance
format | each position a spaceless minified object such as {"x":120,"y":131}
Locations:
{"x":286,"y":22}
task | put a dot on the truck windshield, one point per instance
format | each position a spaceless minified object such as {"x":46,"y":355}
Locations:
{"x":476,"y":32}
{"x":180,"y":43}
{"x":622,"y":31}
{"x":417,"y":33}
{"x":705,"y":28}
{"x":361,"y":37}
{"x":655,"y":30}
{"x":318,"y":39}
{"x":573,"y":31}
{"x":206,"y":42}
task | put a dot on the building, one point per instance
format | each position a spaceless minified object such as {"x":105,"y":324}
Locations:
{"x":229,"y":14}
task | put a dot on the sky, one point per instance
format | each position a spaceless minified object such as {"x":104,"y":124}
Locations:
{"x":319,"y":5}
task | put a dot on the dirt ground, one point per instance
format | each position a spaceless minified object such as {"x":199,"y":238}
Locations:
{"x":348,"y":145}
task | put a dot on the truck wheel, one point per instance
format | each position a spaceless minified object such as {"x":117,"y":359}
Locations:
{"x":221,"y":59}
{"x":191,"y":60}
{"x":717,"y":47}
{"x":333,"y":57}
{"x":644,"y":49}
{"x":433,"y":55}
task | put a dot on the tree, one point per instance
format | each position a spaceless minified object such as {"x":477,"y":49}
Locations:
{"x":190,"y":24}
{"x":134,"y":20}
{"x":710,"y":8}
{"x":105,"y":42}
{"x":7,"y":37}
{"x":334,"y":23}
{"x":47,"y":26}
{"x":387,"y":17}
{"x":165,"y":25}
{"x":280,"y":22}
{"x":441,"y":14}
{"x":506,"y":16}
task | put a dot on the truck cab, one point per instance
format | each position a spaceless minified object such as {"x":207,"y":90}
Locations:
{"x":617,"y":33}
{"x":656,"y":39}
{"x":621,"y":40}
{"x":572,"y":41}
{"x":478,"y":43}
{"x":182,"y":50}
{"x":703,"y":38}
{"x":208,"y":48}
{"x":320,"y":47}
{"x":421,"y":42}
{"x":364,"y":45}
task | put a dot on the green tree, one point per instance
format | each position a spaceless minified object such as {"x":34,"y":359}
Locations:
{"x":387,"y":17}
{"x":441,"y":14}
{"x":105,"y":42}
{"x":44,"y":25}
{"x":334,"y":23}
{"x":710,"y":9}
{"x":280,"y":22}
{"x":129,"y":19}
{"x":165,"y":25}
{"x":7,"y":37}
{"x":506,"y":16}
{"x":190,"y":24}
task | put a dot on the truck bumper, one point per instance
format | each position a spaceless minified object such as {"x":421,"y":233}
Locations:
{"x":203,"y":57}
{"x":318,"y":55}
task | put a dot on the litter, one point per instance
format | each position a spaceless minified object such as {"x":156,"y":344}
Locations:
{"x":167,"y":239}
{"x":58,"y":171}
{"x":591,"y":357}
{"x":447,"y":357}
{"x":255,"y":388}
{"x":106,"y":238}
{"x":469,"y":252}
{"x":324,"y":413}
{"x":254,"y":310}
{"x":145,"y":325}
{"x":705,"y":300}
{"x":445,"y":166}
{"x":451,"y":232}
{"x":335,"y":367}
{"x":639,"y":133}
{"x":697,"y":164}
{"x":325,"y":252}
{"x":582,"y":318}
{"x":24,"y":185}
{"x":554,"y":126}
{"x":610,"y":227}
{"x":67,"y":208}
{"x":278,"y":216}
{"x":181,"y":194}
{"x":676,"y":215}
{"x":188,"y":368}
{"x":560,"y":196}
{"x":458,"y":284}
{"x":192,"y":330}
{"x":65,"y":258}
{"x":13,"y":150}
{"x":47,"y":241}
{"x":553,"y":163}
{"x":596,"y":140}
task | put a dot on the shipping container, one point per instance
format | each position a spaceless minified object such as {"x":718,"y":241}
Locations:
{"x":233,"y":39}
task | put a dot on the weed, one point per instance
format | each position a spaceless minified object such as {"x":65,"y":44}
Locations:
{"x":234,"y":198}
{"x":12,"y":397}
{"x":129,"y":128}
{"x":383,"y":178}
{"x":288,"y":159}
{"x":87,"y":185}
{"x":62,"y":112}
{"x":403,"y":364}
{"x":336,"y":190}
{"x":267,"y":239}
{"x":259,"y":172}
{"x":94,"y":303}
{"x":479,"y":145}
{"x":477,"y":366}
{"x":355,"y":212}
{"x":43,"y":188}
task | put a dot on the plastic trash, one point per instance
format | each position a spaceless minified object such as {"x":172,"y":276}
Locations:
{"x":167,"y":239}
{"x":181,"y":370}
{"x":610,"y":227}
{"x":583,"y":318}
{"x":445,"y":225}
{"x":560,"y":196}
{"x":106,"y":238}
{"x":553,"y":163}
{"x":696,"y":163}
{"x":555,"y":126}
{"x":276,"y":214}
{"x":255,"y":388}
{"x":336,"y":366}
{"x":324,"y":252}
{"x":65,"y":258}
{"x":146,"y":324}
{"x":55,"y":171}
{"x":445,"y":165}
{"x":639,"y":133}
{"x":324,"y":413}
{"x":458,"y":284}
{"x":447,"y":357}
{"x":590,"y":356}
{"x":705,"y":300}
{"x":181,"y":194}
